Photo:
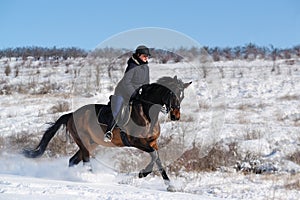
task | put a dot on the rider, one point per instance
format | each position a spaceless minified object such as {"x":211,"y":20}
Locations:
{"x":136,"y":75}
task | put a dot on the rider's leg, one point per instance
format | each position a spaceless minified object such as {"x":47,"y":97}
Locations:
{"x":116,"y":105}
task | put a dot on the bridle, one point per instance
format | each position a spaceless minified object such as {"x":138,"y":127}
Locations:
{"x":167,"y":106}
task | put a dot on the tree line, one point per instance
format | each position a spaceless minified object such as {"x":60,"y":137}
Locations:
{"x":249,"y":51}
{"x":252,"y":51}
{"x":42,"y":52}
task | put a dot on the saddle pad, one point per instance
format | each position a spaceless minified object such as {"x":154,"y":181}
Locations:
{"x":104,"y":114}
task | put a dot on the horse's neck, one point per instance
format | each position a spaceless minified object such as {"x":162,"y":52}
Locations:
{"x":147,"y":111}
{"x":151,"y":99}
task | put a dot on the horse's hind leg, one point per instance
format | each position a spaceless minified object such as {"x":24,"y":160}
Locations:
{"x":76,"y":158}
{"x":81,"y":155}
{"x":85,"y":156}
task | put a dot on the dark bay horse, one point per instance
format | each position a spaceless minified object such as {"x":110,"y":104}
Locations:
{"x":142,"y":130}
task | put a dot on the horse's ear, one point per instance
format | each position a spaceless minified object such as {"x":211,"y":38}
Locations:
{"x":185,"y":85}
{"x":175,"y":78}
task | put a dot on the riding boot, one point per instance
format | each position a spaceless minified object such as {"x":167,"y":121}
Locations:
{"x":116,"y":105}
{"x":109,"y":135}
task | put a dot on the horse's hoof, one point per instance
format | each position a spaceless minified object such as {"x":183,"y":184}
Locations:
{"x":87,"y":167}
{"x":171,"y":188}
{"x":142,"y":174}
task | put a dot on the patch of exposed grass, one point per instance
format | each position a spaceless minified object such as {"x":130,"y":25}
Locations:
{"x":217,"y":157}
{"x":295,"y":157}
{"x":61,"y":106}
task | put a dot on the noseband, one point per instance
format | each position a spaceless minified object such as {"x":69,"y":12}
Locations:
{"x":170,"y":107}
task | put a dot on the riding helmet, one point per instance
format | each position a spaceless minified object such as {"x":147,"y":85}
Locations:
{"x":142,"y":49}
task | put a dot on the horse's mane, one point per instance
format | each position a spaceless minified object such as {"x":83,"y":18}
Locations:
{"x":169,"y":82}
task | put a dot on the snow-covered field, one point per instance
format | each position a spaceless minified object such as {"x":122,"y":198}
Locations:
{"x":244,"y":105}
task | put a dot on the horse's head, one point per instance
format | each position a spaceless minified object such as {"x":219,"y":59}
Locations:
{"x":174,"y":96}
{"x":173,"y":106}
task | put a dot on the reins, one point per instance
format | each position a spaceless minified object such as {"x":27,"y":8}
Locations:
{"x":164,"y":110}
{"x":168,"y":105}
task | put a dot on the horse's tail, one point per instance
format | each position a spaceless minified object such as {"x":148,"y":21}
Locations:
{"x":48,"y":135}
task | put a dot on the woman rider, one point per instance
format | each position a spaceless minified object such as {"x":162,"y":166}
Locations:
{"x":136,"y":75}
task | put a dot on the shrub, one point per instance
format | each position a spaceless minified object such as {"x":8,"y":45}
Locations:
{"x":19,"y":141}
{"x":217,"y":157}
{"x":61,"y":106}
{"x":293,"y":186}
{"x":7,"y":70}
{"x":295,"y":157}
{"x":60,"y":145}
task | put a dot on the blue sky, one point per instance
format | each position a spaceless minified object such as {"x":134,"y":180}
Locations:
{"x":86,"y":23}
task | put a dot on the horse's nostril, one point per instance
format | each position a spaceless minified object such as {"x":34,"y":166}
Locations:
{"x":173,"y":117}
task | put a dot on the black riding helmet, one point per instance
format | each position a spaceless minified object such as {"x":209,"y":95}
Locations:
{"x":142,"y":49}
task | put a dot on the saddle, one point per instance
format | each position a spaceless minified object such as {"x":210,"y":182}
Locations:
{"x":104,"y":115}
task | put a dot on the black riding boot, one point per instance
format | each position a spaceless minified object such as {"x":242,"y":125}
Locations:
{"x":116,"y":106}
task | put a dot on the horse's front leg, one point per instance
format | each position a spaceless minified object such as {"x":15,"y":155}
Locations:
{"x":149,"y":167}
{"x":163,"y":173}
{"x":155,"y":159}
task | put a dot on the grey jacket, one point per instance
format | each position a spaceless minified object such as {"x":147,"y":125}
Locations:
{"x":136,"y":75}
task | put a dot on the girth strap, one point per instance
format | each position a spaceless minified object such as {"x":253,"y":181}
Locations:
{"x":125,"y":139}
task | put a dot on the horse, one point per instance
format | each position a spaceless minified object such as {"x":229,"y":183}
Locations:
{"x":141,"y":131}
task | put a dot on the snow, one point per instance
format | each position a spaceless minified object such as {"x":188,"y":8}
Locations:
{"x":23,"y":178}
{"x":245,"y":104}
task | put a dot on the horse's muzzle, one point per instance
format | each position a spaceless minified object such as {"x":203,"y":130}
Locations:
{"x":175,"y":115}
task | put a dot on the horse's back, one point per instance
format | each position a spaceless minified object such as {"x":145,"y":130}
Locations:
{"x":91,"y":107}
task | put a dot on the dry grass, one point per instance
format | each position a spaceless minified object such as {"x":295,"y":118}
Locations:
{"x":290,"y":97}
{"x":295,"y":157}
{"x":292,"y":182}
{"x":186,"y":118}
{"x":286,"y":181}
{"x":252,"y":106}
{"x":15,"y":143}
{"x":190,"y":160}
{"x":217,"y":157}
{"x":61,"y":145}
{"x":132,"y":162}
{"x":252,"y":134}
{"x":58,"y":146}
{"x":7,"y":70}
{"x":293,"y":186}
{"x":244,"y":106}
{"x":6,"y":89}
{"x":62,"y":106}
{"x":242,"y":119}
{"x":204,"y":105}
{"x":2,"y":143}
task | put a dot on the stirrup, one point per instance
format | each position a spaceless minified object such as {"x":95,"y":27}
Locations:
{"x":108,"y":136}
